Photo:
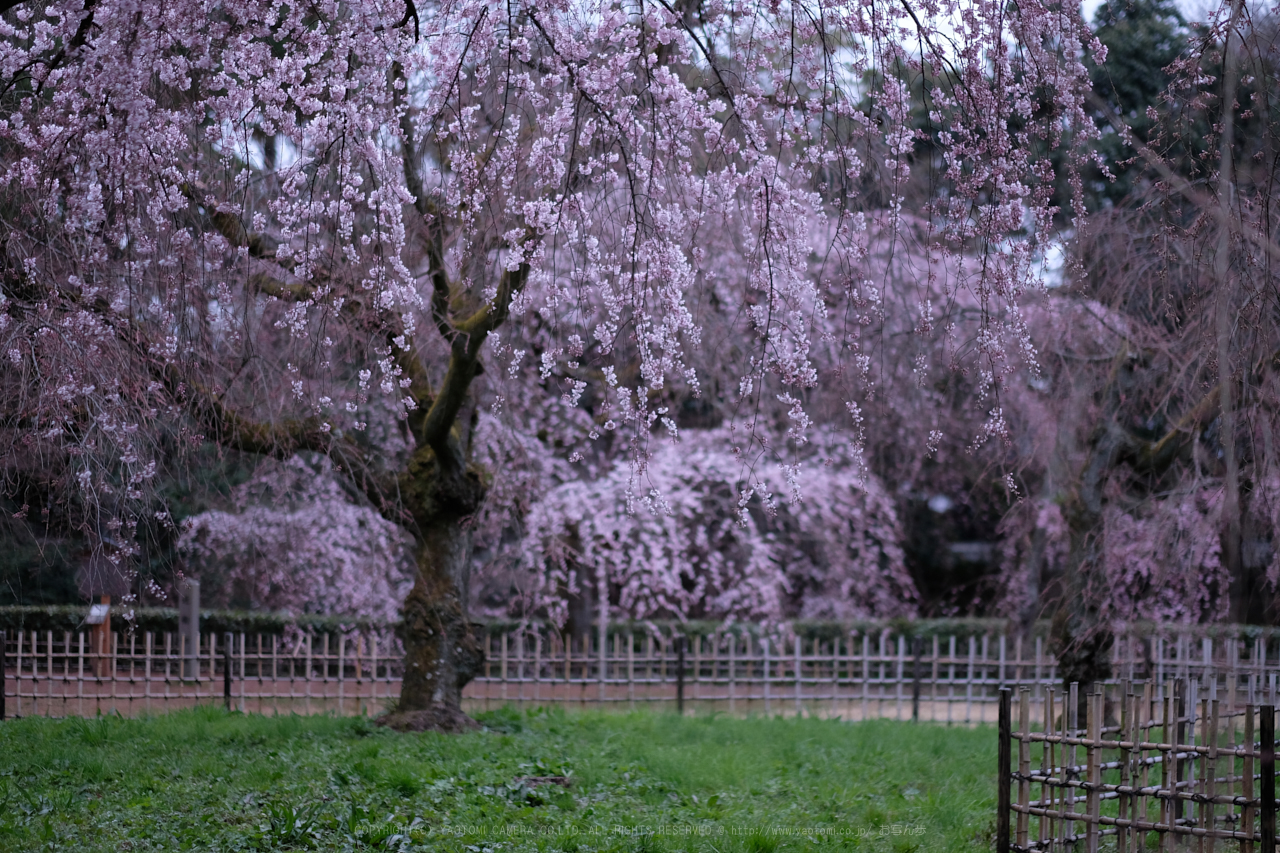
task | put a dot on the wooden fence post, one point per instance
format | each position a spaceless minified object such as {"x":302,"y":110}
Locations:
{"x":916,"y":643}
{"x":1268,"y":734}
{"x":1024,"y":765}
{"x":4,"y":665}
{"x":1093,"y":762}
{"x":226,"y":669}
{"x":1248,"y":810}
{"x":1005,"y":778}
{"x":681,"y":642}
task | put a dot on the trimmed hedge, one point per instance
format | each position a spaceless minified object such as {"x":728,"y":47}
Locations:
{"x":69,"y":617}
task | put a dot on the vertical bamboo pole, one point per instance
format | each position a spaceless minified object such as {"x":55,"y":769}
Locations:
{"x":1071,"y":719}
{"x":796,"y":666}
{"x":1093,"y":800}
{"x":866,"y":671}
{"x":1233,"y":659}
{"x":372,"y":650}
{"x":602,"y":639}
{"x":275,"y":673}
{"x":227,"y":653}
{"x":1003,"y":775}
{"x":1180,"y":713}
{"x":307,"y":673}
{"x":537,"y":663}
{"x":1210,"y":774}
{"x":1001,"y":670}
{"x":1197,"y":762}
{"x":882,"y":658}
{"x":933,"y":689}
{"x":648,"y":666}
{"x":1248,"y":809}
{"x":1046,"y":769}
{"x":521,"y":642}
{"x":168,"y":661}
{"x":1167,"y":738}
{"x":901,"y":674}
{"x":984,"y":669}
{"x":1066,"y":754}
{"x":358,"y":670}
{"x":1128,"y":732}
{"x":133,"y":664}
{"x":732,"y":640}
{"x":1143,"y":721}
{"x":1267,"y":729}
{"x":764,"y":648}
{"x":506,"y":638}
{"x":682,"y":642}
{"x":113,"y":640}
{"x":835,"y":677}
{"x":79,"y":674}
{"x":147,"y":641}
{"x":1024,"y":763}
{"x":695,"y":688}
{"x":968,"y":685}
{"x":850,"y":668}
{"x":951,"y":674}
{"x":342,"y":680}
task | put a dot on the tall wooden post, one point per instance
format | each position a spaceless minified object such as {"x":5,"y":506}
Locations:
{"x":189,"y":626}
{"x":1005,"y":777}
{"x":227,"y":641}
{"x":681,"y":642}
{"x":102,"y":642}
{"x":1267,"y":731}
{"x":916,"y":644}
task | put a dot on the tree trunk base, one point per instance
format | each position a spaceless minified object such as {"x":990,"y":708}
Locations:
{"x":437,"y":718}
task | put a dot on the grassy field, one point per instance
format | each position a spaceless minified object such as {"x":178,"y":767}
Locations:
{"x":209,"y":780}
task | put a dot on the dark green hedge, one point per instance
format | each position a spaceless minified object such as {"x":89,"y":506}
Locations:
{"x":160,"y":619}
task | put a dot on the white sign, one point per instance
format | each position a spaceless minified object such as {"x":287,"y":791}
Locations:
{"x":97,"y":614}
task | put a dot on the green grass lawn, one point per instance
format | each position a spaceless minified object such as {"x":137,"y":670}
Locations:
{"x":209,"y":780}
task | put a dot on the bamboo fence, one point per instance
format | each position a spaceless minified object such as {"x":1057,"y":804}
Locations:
{"x":1158,"y":765}
{"x":859,"y":675}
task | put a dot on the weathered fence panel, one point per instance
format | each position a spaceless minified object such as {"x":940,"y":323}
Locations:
{"x":1172,"y":759}
{"x":858,"y":675}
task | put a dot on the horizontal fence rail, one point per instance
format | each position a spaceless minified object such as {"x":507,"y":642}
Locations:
{"x":1154,"y":766}
{"x":863,"y":675}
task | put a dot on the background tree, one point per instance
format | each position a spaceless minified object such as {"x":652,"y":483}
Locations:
{"x":1143,"y":38}
{"x":1157,"y":487}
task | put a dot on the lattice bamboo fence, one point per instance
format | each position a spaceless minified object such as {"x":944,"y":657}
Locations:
{"x":63,"y":674}
{"x":1155,"y":766}
{"x":859,"y":675}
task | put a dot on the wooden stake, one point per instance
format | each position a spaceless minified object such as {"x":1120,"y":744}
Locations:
{"x":1247,"y":778}
{"x":102,"y":642}
{"x":1093,"y":801}
{"x":1004,"y":776}
{"x":1267,"y":729}
{"x":1024,"y":762}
